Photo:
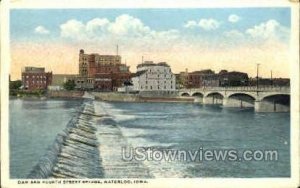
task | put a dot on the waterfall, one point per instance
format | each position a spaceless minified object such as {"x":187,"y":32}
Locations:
{"x":74,"y":153}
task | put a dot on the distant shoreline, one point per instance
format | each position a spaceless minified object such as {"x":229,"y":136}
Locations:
{"x":102,"y":96}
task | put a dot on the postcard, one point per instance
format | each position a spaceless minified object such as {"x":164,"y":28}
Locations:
{"x":150,"y":93}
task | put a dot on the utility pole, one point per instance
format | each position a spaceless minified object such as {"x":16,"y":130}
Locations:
{"x":271,"y":78}
{"x":257,"y":67}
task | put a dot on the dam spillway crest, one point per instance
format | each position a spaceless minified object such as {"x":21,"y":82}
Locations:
{"x":74,"y":153}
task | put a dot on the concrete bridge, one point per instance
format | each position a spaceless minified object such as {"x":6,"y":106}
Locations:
{"x":262,"y":99}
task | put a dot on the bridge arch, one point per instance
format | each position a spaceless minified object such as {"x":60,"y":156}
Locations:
{"x":213,"y":98}
{"x":185,"y":94}
{"x":278,"y":98}
{"x":198,"y":94}
{"x":214,"y":94}
{"x":246,"y":95}
{"x":240,"y":100}
{"x":267,"y":97}
{"x":275,"y":103}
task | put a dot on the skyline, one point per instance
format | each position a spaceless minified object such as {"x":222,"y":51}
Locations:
{"x":194,"y":38}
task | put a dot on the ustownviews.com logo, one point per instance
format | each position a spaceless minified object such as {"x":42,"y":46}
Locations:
{"x":201,"y":154}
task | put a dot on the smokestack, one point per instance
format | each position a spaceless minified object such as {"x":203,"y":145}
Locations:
{"x":117,"y":49}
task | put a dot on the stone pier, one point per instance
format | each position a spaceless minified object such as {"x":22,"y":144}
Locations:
{"x":212,"y":100}
{"x":237,"y":103}
{"x":198,"y":100}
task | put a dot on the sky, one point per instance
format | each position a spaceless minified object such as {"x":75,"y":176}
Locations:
{"x":236,"y":39}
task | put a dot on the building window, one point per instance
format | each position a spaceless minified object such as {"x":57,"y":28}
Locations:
{"x":151,"y":87}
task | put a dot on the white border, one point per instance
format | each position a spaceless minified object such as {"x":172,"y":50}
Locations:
{"x":147,"y":3}
{"x":169,"y":182}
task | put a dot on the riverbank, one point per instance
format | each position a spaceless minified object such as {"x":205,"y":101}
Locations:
{"x":65,"y":94}
{"x":102,"y":96}
{"x":48,"y":95}
{"x":126,"y":97}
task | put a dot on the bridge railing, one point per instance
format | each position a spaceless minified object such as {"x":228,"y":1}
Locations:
{"x":243,"y":88}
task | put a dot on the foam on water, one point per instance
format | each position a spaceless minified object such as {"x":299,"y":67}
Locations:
{"x":112,"y":141}
{"x":117,"y":114}
{"x":138,"y":137}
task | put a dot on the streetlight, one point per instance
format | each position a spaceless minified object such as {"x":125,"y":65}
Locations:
{"x":257,"y":66}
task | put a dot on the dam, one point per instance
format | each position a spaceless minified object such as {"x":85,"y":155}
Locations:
{"x":84,"y":139}
{"x":76,"y":151}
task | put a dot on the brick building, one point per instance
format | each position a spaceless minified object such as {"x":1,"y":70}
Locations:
{"x":34,"y":78}
{"x":233,"y":78}
{"x":101,"y":72}
{"x":208,"y":78}
{"x":278,"y":82}
{"x":194,"y":79}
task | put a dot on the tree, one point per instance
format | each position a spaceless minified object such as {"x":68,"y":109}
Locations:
{"x":69,"y":85}
{"x":15,"y":85}
{"x":128,"y":83}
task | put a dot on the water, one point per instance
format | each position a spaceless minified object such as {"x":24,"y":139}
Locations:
{"x":75,"y":152}
{"x":34,"y":126}
{"x":190,"y":126}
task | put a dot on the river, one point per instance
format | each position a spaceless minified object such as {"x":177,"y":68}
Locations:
{"x":33,"y":126}
{"x":176,"y":126}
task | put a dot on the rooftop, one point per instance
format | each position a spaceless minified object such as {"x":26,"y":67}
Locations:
{"x":33,"y":69}
{"x":150,"y":64}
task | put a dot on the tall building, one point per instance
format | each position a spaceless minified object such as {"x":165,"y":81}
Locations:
{"x":154,"y":77}
{"x":34,"y":78}
{"x":101,"y":72}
